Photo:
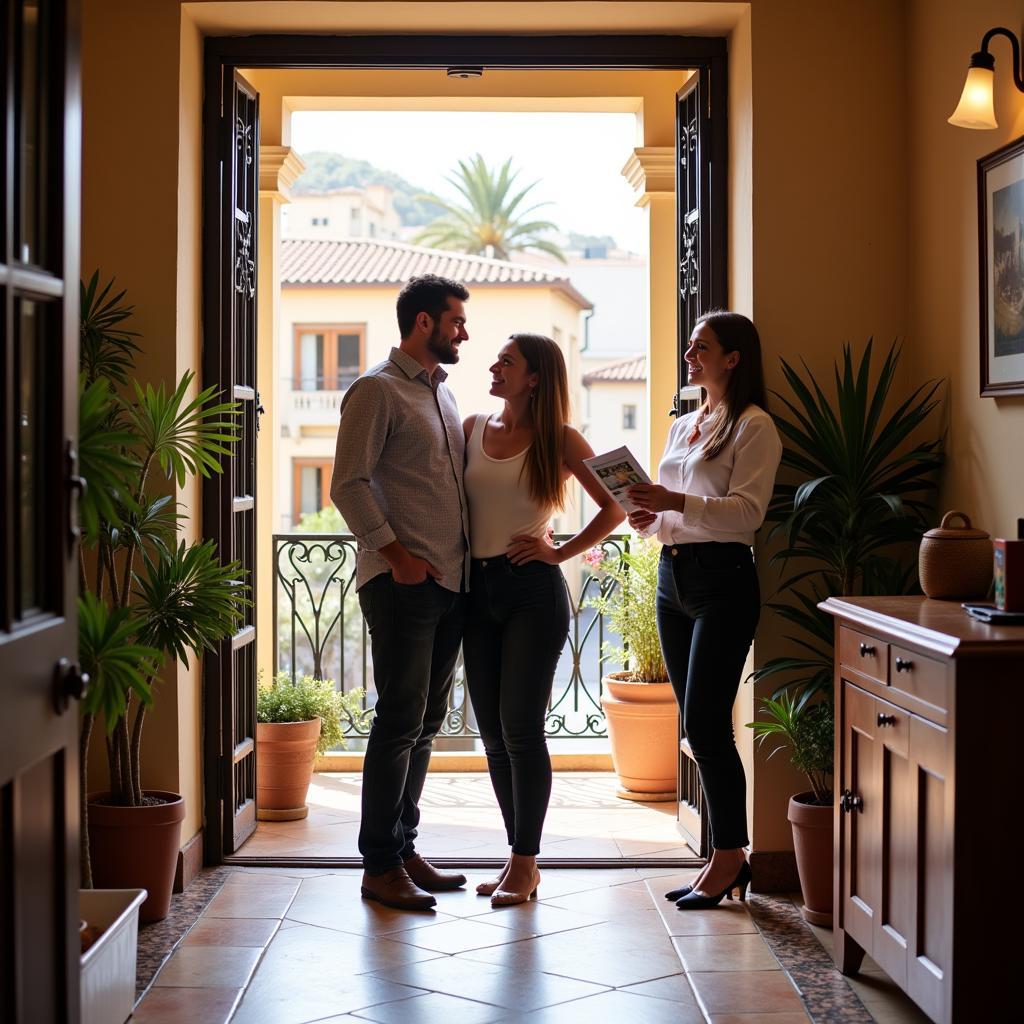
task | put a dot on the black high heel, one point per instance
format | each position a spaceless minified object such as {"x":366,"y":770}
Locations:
{"x":676,"y":894}
{"x":695,"y":901}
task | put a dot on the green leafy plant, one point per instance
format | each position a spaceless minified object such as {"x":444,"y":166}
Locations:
{"x":806,"y":729}
{"x":284,"y":701}
{"x":145,"y":596}
{"x":854,"y":496}
{"x":627,"y":598}
{"x":491,"y":222}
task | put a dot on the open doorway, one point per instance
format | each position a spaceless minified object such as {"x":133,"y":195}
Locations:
{"x":336,"y":340}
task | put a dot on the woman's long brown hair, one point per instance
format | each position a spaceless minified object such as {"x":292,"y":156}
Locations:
{"x":550,"y":407}
{"x":735,"y":333}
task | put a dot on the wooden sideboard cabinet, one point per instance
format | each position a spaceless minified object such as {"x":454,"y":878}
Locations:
{"x":928,"y":748}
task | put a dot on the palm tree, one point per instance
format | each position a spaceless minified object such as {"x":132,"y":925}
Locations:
{"x":491,"y":222}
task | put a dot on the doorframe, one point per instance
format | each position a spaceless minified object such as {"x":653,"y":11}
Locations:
{"x":224,"y":55}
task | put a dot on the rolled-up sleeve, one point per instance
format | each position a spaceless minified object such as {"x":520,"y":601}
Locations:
{"x":758,"y":451}
{"x":362,"y":432}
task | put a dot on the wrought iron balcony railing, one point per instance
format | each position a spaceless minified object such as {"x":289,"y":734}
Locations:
{"x":319,"y":631}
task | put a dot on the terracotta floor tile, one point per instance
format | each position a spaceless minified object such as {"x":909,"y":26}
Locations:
{"x":785,"y":1017}
{"x":257,"y":901}
{"x":743,"y":952}
{"x":336,"y":904}
{"x":209,"y":967}
{"x":321,"y":996}
{"x":232,"y":931}
{"x":536,"y":916}
{"x":745,"y":991}
{"x":616,"y":1006}
{"x":433,"y":1008}
{"x":676,"y":988}
{"x":195,"y":1005}
{"x":603,"y":955}
{"x":461,"y":936}
{"x":520,"y":990}
{"x":730,"y":917}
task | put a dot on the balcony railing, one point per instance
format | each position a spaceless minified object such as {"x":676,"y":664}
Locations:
{"x":319,"y":631}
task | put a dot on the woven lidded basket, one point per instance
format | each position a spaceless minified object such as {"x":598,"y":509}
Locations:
{"x":955,"y":561}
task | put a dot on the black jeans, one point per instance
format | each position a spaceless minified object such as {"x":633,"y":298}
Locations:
{"x":708,"y":605}
{"x":516,"y":628}
{"x":414,"y":641}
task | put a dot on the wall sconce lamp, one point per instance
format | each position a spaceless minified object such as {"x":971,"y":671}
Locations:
{"x":976,"y":108}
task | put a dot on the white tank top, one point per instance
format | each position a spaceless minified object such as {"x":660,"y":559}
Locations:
{"x":500,"y":504}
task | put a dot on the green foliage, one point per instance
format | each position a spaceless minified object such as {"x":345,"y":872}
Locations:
{"x":308,"y":698}
{"x":628,"y":600}
{"x":326,"y":172}
{"x":807,"y":730}
{"x":853,"y":499}
{"x":118,"y":666}
{"x":491,"y":221}
{"x":327,"y":520}
{"x":145,"y":598}
{"x":107,"y":350}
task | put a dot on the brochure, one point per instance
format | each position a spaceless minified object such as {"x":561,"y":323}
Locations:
{"x":616,"y":472}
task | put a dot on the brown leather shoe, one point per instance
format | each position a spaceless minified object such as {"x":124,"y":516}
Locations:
{"x":426,"y":876}
{"x":396,"y":889}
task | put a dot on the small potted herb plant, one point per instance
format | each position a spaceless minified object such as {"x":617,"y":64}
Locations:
{"x":295,"y":721}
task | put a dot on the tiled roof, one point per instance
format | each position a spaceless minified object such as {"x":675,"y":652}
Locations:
{"x":371,"y":261}
{"x":634,"y":369}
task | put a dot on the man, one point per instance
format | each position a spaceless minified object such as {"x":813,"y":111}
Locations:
{"x":398,"y":483}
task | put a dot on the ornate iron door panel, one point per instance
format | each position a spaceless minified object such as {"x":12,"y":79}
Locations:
{"x":229,"y":499}
{"x":700,"y":205}
{"x":40,"y":168}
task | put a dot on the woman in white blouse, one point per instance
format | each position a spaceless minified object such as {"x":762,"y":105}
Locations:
{"x":716,"y":478}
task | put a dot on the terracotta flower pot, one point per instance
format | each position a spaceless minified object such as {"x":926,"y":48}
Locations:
{"x":285,"y":752}
{"x":812,"y":843}
{"x":643,"y":731}
{"x":137,"y":848}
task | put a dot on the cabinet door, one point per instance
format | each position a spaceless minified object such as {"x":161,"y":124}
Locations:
{"x":894,"y":910}
{"x":930,"y":937}
{"x":860,"y":810}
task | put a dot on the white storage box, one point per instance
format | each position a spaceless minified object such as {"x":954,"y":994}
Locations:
{"x":108,"y":965}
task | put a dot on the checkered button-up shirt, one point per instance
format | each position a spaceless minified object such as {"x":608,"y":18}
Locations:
{"x":398,"y":469}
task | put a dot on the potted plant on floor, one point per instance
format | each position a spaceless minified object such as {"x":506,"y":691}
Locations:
{"x":807,"y":727}
{"x":638,"y":702}
{"x":146,"y":598}
{"x":852,"y":501}
{"x":295,"y":721}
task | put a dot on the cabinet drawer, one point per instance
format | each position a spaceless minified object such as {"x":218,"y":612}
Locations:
{"x":921,"y":677}
{"x":864,"y":654}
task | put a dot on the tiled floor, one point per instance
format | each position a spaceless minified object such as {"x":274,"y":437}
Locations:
{"x":460,"y":819}
{"x":292,"y":946}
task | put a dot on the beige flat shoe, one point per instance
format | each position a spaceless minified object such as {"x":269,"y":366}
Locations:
{"x":506,"y":898}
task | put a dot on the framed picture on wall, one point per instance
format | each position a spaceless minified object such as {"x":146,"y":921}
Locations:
{"x":1001,"y":251}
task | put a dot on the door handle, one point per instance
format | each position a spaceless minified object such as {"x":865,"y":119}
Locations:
{"x":848,"y":802}
{"x":77,"y":485}
{"x":69,"y":683}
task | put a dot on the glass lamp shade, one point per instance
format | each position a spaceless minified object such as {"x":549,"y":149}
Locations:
{"x":976,"y":108}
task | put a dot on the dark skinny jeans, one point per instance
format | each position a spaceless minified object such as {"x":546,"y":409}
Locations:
{"x":516,"y":627}
{"x":708,"y":605}
{"x":414,"y":640}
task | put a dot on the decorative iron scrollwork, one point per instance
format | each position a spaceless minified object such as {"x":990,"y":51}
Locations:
{"x":243,"y":140}
{"x":689,"y":262}
{"x":245,"y":266}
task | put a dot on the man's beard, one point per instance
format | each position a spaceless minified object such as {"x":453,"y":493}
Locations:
{"x":443,"y":350}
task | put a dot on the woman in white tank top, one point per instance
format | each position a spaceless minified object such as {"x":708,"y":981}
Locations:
{"x":518,"y":463}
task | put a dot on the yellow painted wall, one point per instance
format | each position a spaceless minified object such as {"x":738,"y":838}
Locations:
{"x":982,"y":475}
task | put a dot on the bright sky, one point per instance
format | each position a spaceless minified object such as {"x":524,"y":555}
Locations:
{"x":577,"y":158}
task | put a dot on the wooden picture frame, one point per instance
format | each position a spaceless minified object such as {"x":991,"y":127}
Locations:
{"x":1001,"y":264}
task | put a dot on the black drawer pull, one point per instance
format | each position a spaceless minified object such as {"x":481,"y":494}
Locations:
{"x":902,"y":665}
{"x":884,"y":720}
{"x":867,"y":651}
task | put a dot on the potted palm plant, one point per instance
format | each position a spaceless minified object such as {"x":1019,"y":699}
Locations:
{"x":147,"y":598}
{"x":854,"y":497}
{"x":295,"y":721}
{"x":638,"y":702}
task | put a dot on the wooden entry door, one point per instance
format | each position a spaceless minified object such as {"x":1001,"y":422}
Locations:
{"x":39,"y":225}
{"x":231,"y":235}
